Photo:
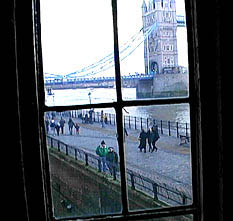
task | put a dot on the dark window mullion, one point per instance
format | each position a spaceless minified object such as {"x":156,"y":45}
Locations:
{"x":116,"y":51}
{"x":118,"y":110}
{"x":122,"y":103}
{"x":79,"y":107}
{"x":41,"y":100}
{"x":120,"y":138}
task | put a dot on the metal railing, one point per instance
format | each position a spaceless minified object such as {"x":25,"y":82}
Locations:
{"x":158,"y":190}
{"x":169,"y":128}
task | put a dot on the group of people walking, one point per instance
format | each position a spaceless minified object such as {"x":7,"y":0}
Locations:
{"x":109,"y":158}
{"x":57,"y":126}
{"x":151,"y":136}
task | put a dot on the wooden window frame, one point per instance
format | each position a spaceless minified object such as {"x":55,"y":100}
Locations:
{"x":31,"y":108}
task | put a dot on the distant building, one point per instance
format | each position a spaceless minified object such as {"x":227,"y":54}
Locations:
{"x":160,"y":47}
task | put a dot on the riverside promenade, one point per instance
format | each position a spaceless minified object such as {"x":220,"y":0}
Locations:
{"x":169,"y":165}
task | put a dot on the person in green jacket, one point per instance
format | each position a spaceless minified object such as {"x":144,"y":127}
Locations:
{"x":102,"y":151}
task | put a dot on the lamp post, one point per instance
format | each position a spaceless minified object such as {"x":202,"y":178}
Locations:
{"x":89,"y":95}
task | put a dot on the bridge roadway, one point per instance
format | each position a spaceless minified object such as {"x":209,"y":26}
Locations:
{"x":59,"y":83}
{"x":170,"y":164}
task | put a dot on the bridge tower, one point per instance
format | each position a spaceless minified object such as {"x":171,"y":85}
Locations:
{"x":160,"y":47}
{"x":160,"y":52}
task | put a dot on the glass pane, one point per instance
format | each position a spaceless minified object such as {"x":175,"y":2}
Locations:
{"x":158,"y":156}
{"x":77,"y":46}
{"x":153,"y":48}
{"x":84,"y":162}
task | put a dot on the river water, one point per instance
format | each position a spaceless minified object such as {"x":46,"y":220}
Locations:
{"x":174,"y":112}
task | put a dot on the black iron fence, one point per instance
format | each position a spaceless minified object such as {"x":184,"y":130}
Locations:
{"x":158,"y":190}
{"x":169,"y":128}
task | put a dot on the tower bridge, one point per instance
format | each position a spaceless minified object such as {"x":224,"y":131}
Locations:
{"x":163,"y":76}
{"x":160,"y":51}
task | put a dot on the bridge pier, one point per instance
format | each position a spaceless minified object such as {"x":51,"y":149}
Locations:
{"x":163,"y":85}
{"x":144,"y":88}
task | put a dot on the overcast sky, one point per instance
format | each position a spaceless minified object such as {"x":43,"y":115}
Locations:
{"x":77,"y":33}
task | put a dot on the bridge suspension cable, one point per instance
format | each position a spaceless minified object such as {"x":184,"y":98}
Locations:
{"x":107,"y":62}
{"x":106,"y":59}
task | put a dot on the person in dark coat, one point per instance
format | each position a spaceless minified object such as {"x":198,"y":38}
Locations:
{"x":57,"y":127}
{"x":62,"y":124}
{"x":112,"y":160}
{"x":70,"y":124}
{"x":150,"y":138}
{"x":153,"y":136}
{"x":90,"y":116}
{"x":86,"y":118}
{"x":142,"y":138}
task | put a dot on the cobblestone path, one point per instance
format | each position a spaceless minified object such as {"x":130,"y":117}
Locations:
{"x":170,"y":164}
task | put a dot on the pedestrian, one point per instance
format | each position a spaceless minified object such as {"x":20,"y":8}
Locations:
{"x":77,"y":127}
{"x":153,"y":137}
{"x":142,"y":138}
{"x":102,"y":151}
{"x":112,"y":161}
{"x":86,"y":118}
{"x":105,"y":119}
{"x":150,"y":138}
{"x":102,"y":118}
{"x":57,"y":127}
{"x":53,"y":114}
{"x":52,"y":126}
{"x":62,"y":124}
{"x":90,"y":116}
{"x":70,"y":124}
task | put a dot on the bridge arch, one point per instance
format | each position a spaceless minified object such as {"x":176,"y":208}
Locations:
{"x":154,"y":67}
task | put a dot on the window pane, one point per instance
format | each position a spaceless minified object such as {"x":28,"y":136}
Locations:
{"x":153,"y":48}
{"x":84,"y":171}
{"x":77,"y":46}
{"x":158,"y":155}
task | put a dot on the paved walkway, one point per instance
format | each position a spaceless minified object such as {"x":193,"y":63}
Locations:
{"x":170,"y":164}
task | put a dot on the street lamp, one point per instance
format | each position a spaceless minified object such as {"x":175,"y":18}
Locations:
{"x":89,"y":95}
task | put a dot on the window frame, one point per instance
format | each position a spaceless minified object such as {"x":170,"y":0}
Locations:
{"x":193,"y":100}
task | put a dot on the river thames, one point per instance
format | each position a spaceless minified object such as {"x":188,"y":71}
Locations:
{"x":175,"y":112}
